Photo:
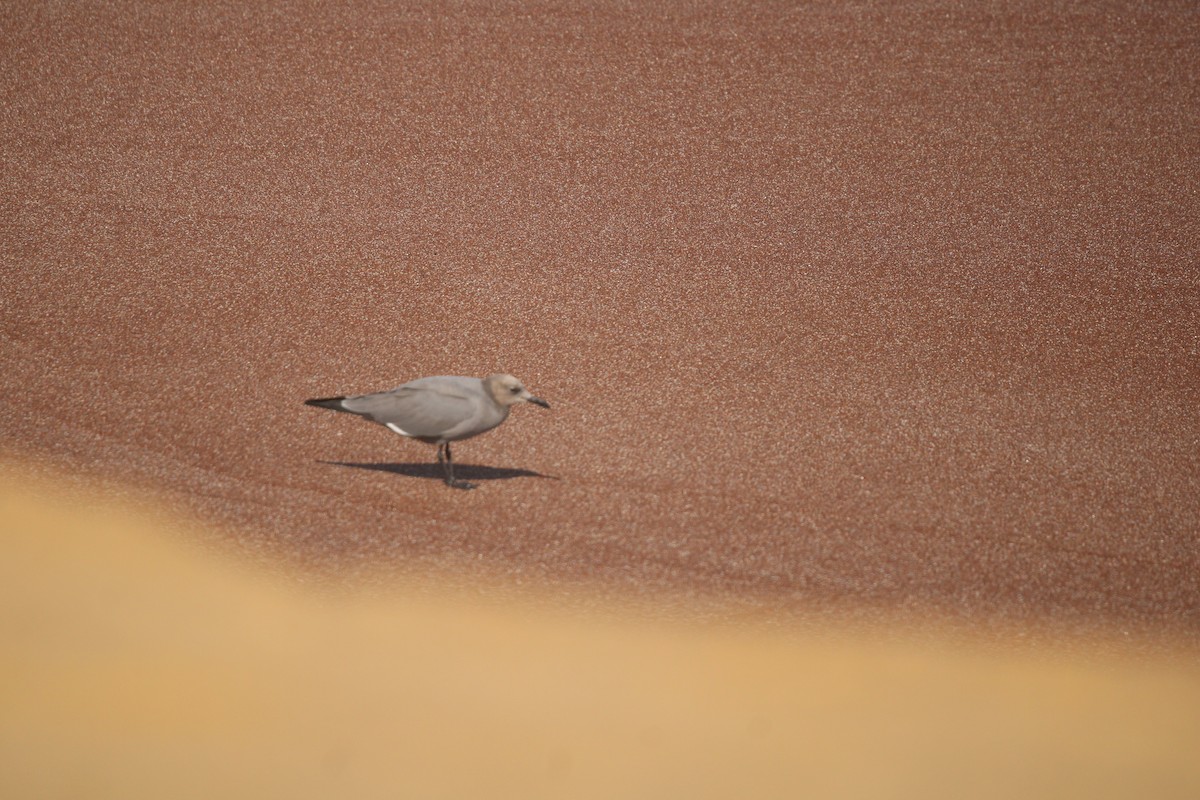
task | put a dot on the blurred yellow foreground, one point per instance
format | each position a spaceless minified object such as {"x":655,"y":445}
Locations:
{"x":136,"y":666}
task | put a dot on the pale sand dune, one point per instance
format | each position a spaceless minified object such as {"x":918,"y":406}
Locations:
{"x":135,"y":665}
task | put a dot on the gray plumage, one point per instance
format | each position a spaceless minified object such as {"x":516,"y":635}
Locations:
{"x":439,"y":410}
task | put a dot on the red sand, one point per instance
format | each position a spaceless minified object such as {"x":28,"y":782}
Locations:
{"x":890,"y":309}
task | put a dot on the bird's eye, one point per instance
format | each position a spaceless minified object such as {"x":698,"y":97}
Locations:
{"x":515,"y":389}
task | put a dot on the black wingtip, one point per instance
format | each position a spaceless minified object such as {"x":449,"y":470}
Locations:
{"x":333,"y":403}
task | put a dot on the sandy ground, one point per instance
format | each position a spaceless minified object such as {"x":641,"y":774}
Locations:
{"x":838,"y":307}
{"x":134,"y":666}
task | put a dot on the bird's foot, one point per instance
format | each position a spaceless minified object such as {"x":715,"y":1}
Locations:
{"x":460,"y":484}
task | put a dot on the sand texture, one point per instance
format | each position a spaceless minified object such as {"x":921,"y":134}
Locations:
{"x":888,"y":308}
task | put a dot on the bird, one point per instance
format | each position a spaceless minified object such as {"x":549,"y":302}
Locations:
{"x":439,"y":410}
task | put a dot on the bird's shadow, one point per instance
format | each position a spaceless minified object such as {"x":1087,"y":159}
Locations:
{"x":467,"y":472}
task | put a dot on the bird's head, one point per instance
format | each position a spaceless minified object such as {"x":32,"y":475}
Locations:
{"x":508,"y":391}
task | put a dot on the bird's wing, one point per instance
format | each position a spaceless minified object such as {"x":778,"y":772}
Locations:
{"x":418,"y":411}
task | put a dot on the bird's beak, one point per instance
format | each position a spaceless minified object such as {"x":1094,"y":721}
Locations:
{"x":537,"y":401}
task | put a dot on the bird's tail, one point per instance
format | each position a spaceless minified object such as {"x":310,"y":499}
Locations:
{"x":332,"y":403}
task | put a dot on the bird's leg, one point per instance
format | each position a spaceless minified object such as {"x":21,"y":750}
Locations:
{"x":441,"y":457}
{"x":448,"y":465}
